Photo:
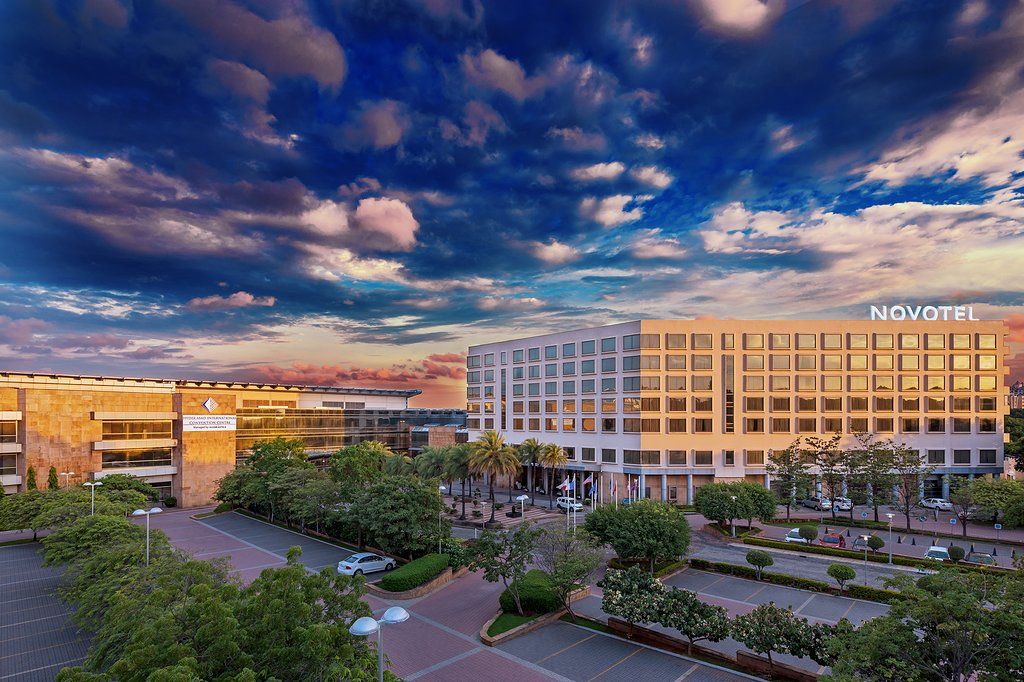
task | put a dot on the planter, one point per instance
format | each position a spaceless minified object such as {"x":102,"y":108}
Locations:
{"x":426,"y":588}
{"x":492,"y":524}
{"x":538,"y":622}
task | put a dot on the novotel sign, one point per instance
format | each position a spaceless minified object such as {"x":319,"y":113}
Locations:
{"x":922,"y":312}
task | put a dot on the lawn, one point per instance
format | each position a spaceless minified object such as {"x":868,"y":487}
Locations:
{"x":507,"y":621}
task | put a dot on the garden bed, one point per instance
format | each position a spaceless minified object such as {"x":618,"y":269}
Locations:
{"x":661,"y":568}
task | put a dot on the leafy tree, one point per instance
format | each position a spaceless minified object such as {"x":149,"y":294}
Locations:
{"x":875,"y":543}
{"x":956,"y":553}
{"x":273,"y":456}
{"x":30,"y":482}
{"x":356,"y":466}
{"x":696,"y":620}
{"x":22,"y":511}
{"x":90,"y":534}
{"x":994,"y":496}
{"x":400,"y":514}
{"x":112,"y":482}
{"x":632,"y":595}
{"x":244,"y":487}
{"x":646,"y":531}
{"x":52,"y":482}
{"x":430,"y":462}
{"x":308,"y":496}
{"x":961,"y":496}
{"x":253,"y":484}
{"x":1013,"y":425}
{"x":791,"y":470}
{"x":755,"y":502}
{"x":842,"y":574}
{"x":714,"y":501}
{"x":852,"y":462}
{"x":491,"y":457}
{"x":505,"y":557}
{"x":829,"y":458}
{"x":569,"y":558}
{"x":877,"y":651}
{"x":909,"y":470}
{"x":769,"y":629}
{"x":876,"y":470}
{"x":552,"y":457}
{"x":808,"y":531}
{"x":456,"y":467}
{"x":399,"y":465}
{"x":529,"y":452}
{"x":760,"y":560}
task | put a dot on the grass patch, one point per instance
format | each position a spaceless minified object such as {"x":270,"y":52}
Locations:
{"x":740,"y":532}
{"x":589,"y":624}
{"x":507,"y":621}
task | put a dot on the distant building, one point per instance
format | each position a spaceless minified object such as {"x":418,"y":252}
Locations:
{"x":182,"y":436}
{"x":438,"y":435}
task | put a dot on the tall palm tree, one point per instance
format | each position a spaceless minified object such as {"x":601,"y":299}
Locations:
{"x":456,"y":466}
{"x":552,"y":457}
{"x":492,"y":457}
{"x":528,"y":451}
{"x":398,"y":465}
{"x":430,"y":462}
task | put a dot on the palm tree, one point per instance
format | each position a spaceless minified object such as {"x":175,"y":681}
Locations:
{"x":456,"y":466}
{"x":398,"y":465}
{"x":552,"y":457}
{"x":528,"y":451}
{"x":492,"y":457}
{"x":429,"y":463}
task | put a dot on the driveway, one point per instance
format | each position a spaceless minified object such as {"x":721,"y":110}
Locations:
{"x":37,"y":637}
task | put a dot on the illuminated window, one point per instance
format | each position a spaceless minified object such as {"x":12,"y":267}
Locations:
{"x":806,"y":341}
{"x":910,"y":383}
{"x":858,"y":362}
{"x":986,"y":363}
{"x":832,"y":362}
{"x":753,"y":361}
{"x":858,"y":341}
{"x":780,"y":362}
{"x":986,"y":341}
{"x":884,"y":362}
{"x":909,"y":341}
{"x":883,"y":341}
{"x":780,"y":383}
{"x":934,"y":362}
{"x":858,"y":383}
{"x":780,"y":341}
{"x":753,"y":383}
{"x":753,"y":341}
{"x":935,"y":341}
{"x":806,"y":382}
{"x":832,"y":341}
{"x":806,"y":362}
{"x":832,"y":383}
{"x":961,"y":362}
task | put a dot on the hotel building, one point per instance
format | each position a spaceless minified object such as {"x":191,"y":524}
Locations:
{"x":669,"y":405}
{"x":183,"y":436}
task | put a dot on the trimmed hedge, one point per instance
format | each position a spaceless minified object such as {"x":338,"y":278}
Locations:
{"x":535,"y":594}
{"x":415,"y":573}
{"x":660,"y":567}
{"x":856,"y":591}
{"x":882,"y":558}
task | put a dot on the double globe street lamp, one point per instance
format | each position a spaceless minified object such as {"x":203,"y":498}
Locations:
{"x":92,"y":501}
{"x":147,"y":513}
{"x":366,"y":626}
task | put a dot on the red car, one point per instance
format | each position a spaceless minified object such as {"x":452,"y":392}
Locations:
{"x":833,"y":540}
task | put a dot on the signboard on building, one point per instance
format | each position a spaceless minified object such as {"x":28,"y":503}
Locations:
{"x":928,"y":312}
{"x":207,"y":422}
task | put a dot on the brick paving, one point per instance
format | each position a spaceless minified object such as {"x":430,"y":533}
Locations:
{"x":37,"y":637}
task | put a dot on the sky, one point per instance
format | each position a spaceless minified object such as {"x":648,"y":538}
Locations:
{"x":351,"y":192}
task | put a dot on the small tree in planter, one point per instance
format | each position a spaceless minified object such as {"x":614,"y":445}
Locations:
{"x":569,"y":558}
{"x":768,"y":629}
{"x":808,"y":531}
{"x":694,"y":619}
{"x":760,"y":560}
{"x":875,"y":543}
{"x":505,"y":557}
{"x":842,"y":574}
{"x":633,"y":595}
{"x":956,"y":553}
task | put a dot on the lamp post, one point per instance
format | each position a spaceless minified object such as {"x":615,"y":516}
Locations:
{"x":522,"y":504}
{"x":67,"y":477}
{"x":890,"y":515}
{"x":92,"y":487}
{"x":865,"y":539}
{"x":366,"y":626}
{"x":441,"y":491}
{"x":732,"y":511}
{"x":147,"y":513}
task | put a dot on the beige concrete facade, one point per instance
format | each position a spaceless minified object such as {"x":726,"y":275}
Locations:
{"x":693,"y":401}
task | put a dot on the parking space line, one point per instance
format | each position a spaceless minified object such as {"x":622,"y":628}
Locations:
{"x":620,"y":661}
{"x":286,"y":530}
{"x":687,"y":673}
{"x":443,"y":664}
{"x":73,"y":661}
{"x":585,"y":639}
{"x":808,"y":601}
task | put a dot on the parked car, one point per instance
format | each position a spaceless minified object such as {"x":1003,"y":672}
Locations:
{"x":937,"y":503}
{"x":937,"y":553}
{"x":817,"y":503}
{"x":833,"y":540}
{"x":568,"y":504}
{"x":365,"y":562}
{"x":860,"y":544}
{"x":842,"y":504}
{"x":980,"y":558}
{"x":794,"y":536}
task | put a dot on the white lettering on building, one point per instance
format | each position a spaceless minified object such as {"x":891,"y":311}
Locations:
{"x":928,"y":313}
{"x":207,"y":422}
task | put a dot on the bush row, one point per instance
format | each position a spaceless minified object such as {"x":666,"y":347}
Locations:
{"x":661,"y":568}
{"x":838,"y":521}
{"x":415,"y":573}
{"x":535,"y":594}
{"x":877,"y":558}
{"x":856,"y":591}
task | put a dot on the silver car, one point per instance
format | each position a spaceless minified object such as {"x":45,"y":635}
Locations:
{"x":365,"y":562}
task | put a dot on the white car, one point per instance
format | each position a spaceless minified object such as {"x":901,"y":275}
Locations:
{"x":937,"y":553}
{"x":842,"y":504}
{"x":794,"y":536}
{"x":365,"y":562}
{"x":569,"y":504}
{"x":937,"y":503}
{"x":817,"y":503}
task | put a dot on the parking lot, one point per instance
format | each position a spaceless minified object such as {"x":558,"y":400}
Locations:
{"x":250,"y":545}
{"x":576,"y":653}
{"x":37,"y":637}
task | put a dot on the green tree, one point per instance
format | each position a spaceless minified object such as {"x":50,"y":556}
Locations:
{"x":876,"y":471}
{"x":842,"y":574}
{"x":505,"y":557}
{"x":633,"y":595}
{"x":696,"y":620}
{"x":995,"y":496}
{"x":400,"y":515}
{"x":808,"y":531}
{"x":52,"y":482}
{"x":875,"y":543}
{"x":880,"y":650}
{"x":909,"y":470}
{"x":956,"y":553}
{"x":356,"y":466}
{"x":754,"y":502}
{"x":791,"y":471}
{"x":399,"y":465}
{"x":829,"y":459}
{"x":429,"y":463}
{"x":569,"y":558}
{"x":714,"y":501}
{"x":961,"y":496}
{"x":768,"y":629}
{"x":112,"y":482}
{"x":490,"y":456}
{"x":30,"y":481}
{"x":456,"y":467}
{"x":852,"y":464}
{"x":529,"y":452}
{"x":646,"y":530}
{"x":1013,"y":426}
{"x":760,"y":560}
{"x":552,"y":457}
{"x":21,"y":511}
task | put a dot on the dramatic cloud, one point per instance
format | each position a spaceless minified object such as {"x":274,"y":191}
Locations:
{"x":488,"y":69}
{"x":239,"y":299}
{"x":599,"y":171}
{"x":611,"y":211}
{"x":554,"y":252}
{"x":651,"y":244}
{"x":386,"y":224}
{"x":735,"y":16}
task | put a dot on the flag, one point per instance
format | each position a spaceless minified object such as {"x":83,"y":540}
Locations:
{"x":564,"y":486}
{"x":589,"y":480}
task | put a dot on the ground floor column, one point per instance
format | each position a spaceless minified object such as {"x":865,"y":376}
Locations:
{"x":664,"y":487}
{"x":641,"y":487}
{"x":689,"y":489}
{"x":945,"y":486}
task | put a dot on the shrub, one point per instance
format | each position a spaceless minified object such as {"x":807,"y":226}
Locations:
{"x":415,"y":573}
{"x":535,"y":594}
{"x":808,"y":531}
{"x":871,"y":593}
{"x":842,"y":574}
{"x":857,"y":591}
{"x":956,"y":553}
{"x":223,"y":507}
{"x":759,"y":559}
{"x":875,"y":543}
{"x":170,"y":501}
{"x":458,"y":552}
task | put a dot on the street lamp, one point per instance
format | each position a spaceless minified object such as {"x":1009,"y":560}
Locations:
{"x":67,"y":477}
{"x":92,"y":487}
{"x":522,"y":504}
{"x":366,"y":626}
{"x":441,"y":490}
{"x":865,"y":539}
{"x":890,"y":515}
{"x":147,"y":513}
{"x":732,"y":511}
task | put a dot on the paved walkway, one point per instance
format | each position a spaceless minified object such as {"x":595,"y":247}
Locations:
{"x":37,"y":637}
